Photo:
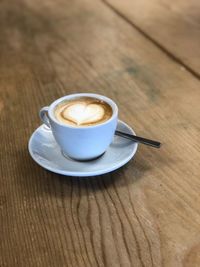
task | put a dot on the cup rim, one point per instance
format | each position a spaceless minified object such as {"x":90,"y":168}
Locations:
{"x":98,"y":96}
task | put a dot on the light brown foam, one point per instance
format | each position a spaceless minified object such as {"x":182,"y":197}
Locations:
{"x":84,"y":111}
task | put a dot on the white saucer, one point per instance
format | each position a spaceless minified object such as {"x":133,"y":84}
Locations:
{"x":45,"y":151}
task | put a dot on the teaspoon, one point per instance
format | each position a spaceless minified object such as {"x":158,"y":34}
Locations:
{"x":139,"y":139}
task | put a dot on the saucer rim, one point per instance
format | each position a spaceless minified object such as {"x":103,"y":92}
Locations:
{"x":83,"y":173}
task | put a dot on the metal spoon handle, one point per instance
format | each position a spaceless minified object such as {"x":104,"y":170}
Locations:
{"x":139,"y":139}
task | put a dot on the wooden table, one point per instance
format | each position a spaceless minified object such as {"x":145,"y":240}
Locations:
{"x":143,"y":54}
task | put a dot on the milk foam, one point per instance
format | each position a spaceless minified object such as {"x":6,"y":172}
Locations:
{"x":85,"y":111}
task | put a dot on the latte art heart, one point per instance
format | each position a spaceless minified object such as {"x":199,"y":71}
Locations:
{"x":85,"y":111}
{"x":81,"y":113}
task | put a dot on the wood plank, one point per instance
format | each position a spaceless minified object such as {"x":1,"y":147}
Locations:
{"x":172,"y":25}
{"x":145,"y":214}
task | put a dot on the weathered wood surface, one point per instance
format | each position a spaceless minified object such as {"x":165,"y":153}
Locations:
{"x":145,"y":214}
{"x":173,"y":26}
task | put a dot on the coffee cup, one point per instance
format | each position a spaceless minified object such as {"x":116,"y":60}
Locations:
{"x":82,"y":124}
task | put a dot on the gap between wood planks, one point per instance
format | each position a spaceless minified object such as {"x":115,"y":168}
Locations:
{"x":162,"y":48}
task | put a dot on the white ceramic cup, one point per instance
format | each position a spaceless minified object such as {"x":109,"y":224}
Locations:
{"x":84,"y":142}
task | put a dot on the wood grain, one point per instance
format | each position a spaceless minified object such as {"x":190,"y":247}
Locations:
{"x":145,"y":214}
{"x":173,"y":26}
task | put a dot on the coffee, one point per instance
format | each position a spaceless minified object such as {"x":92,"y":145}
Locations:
{"x":83,"y":111}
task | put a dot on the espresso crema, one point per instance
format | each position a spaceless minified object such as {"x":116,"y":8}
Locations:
{"x":83,"y":111}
